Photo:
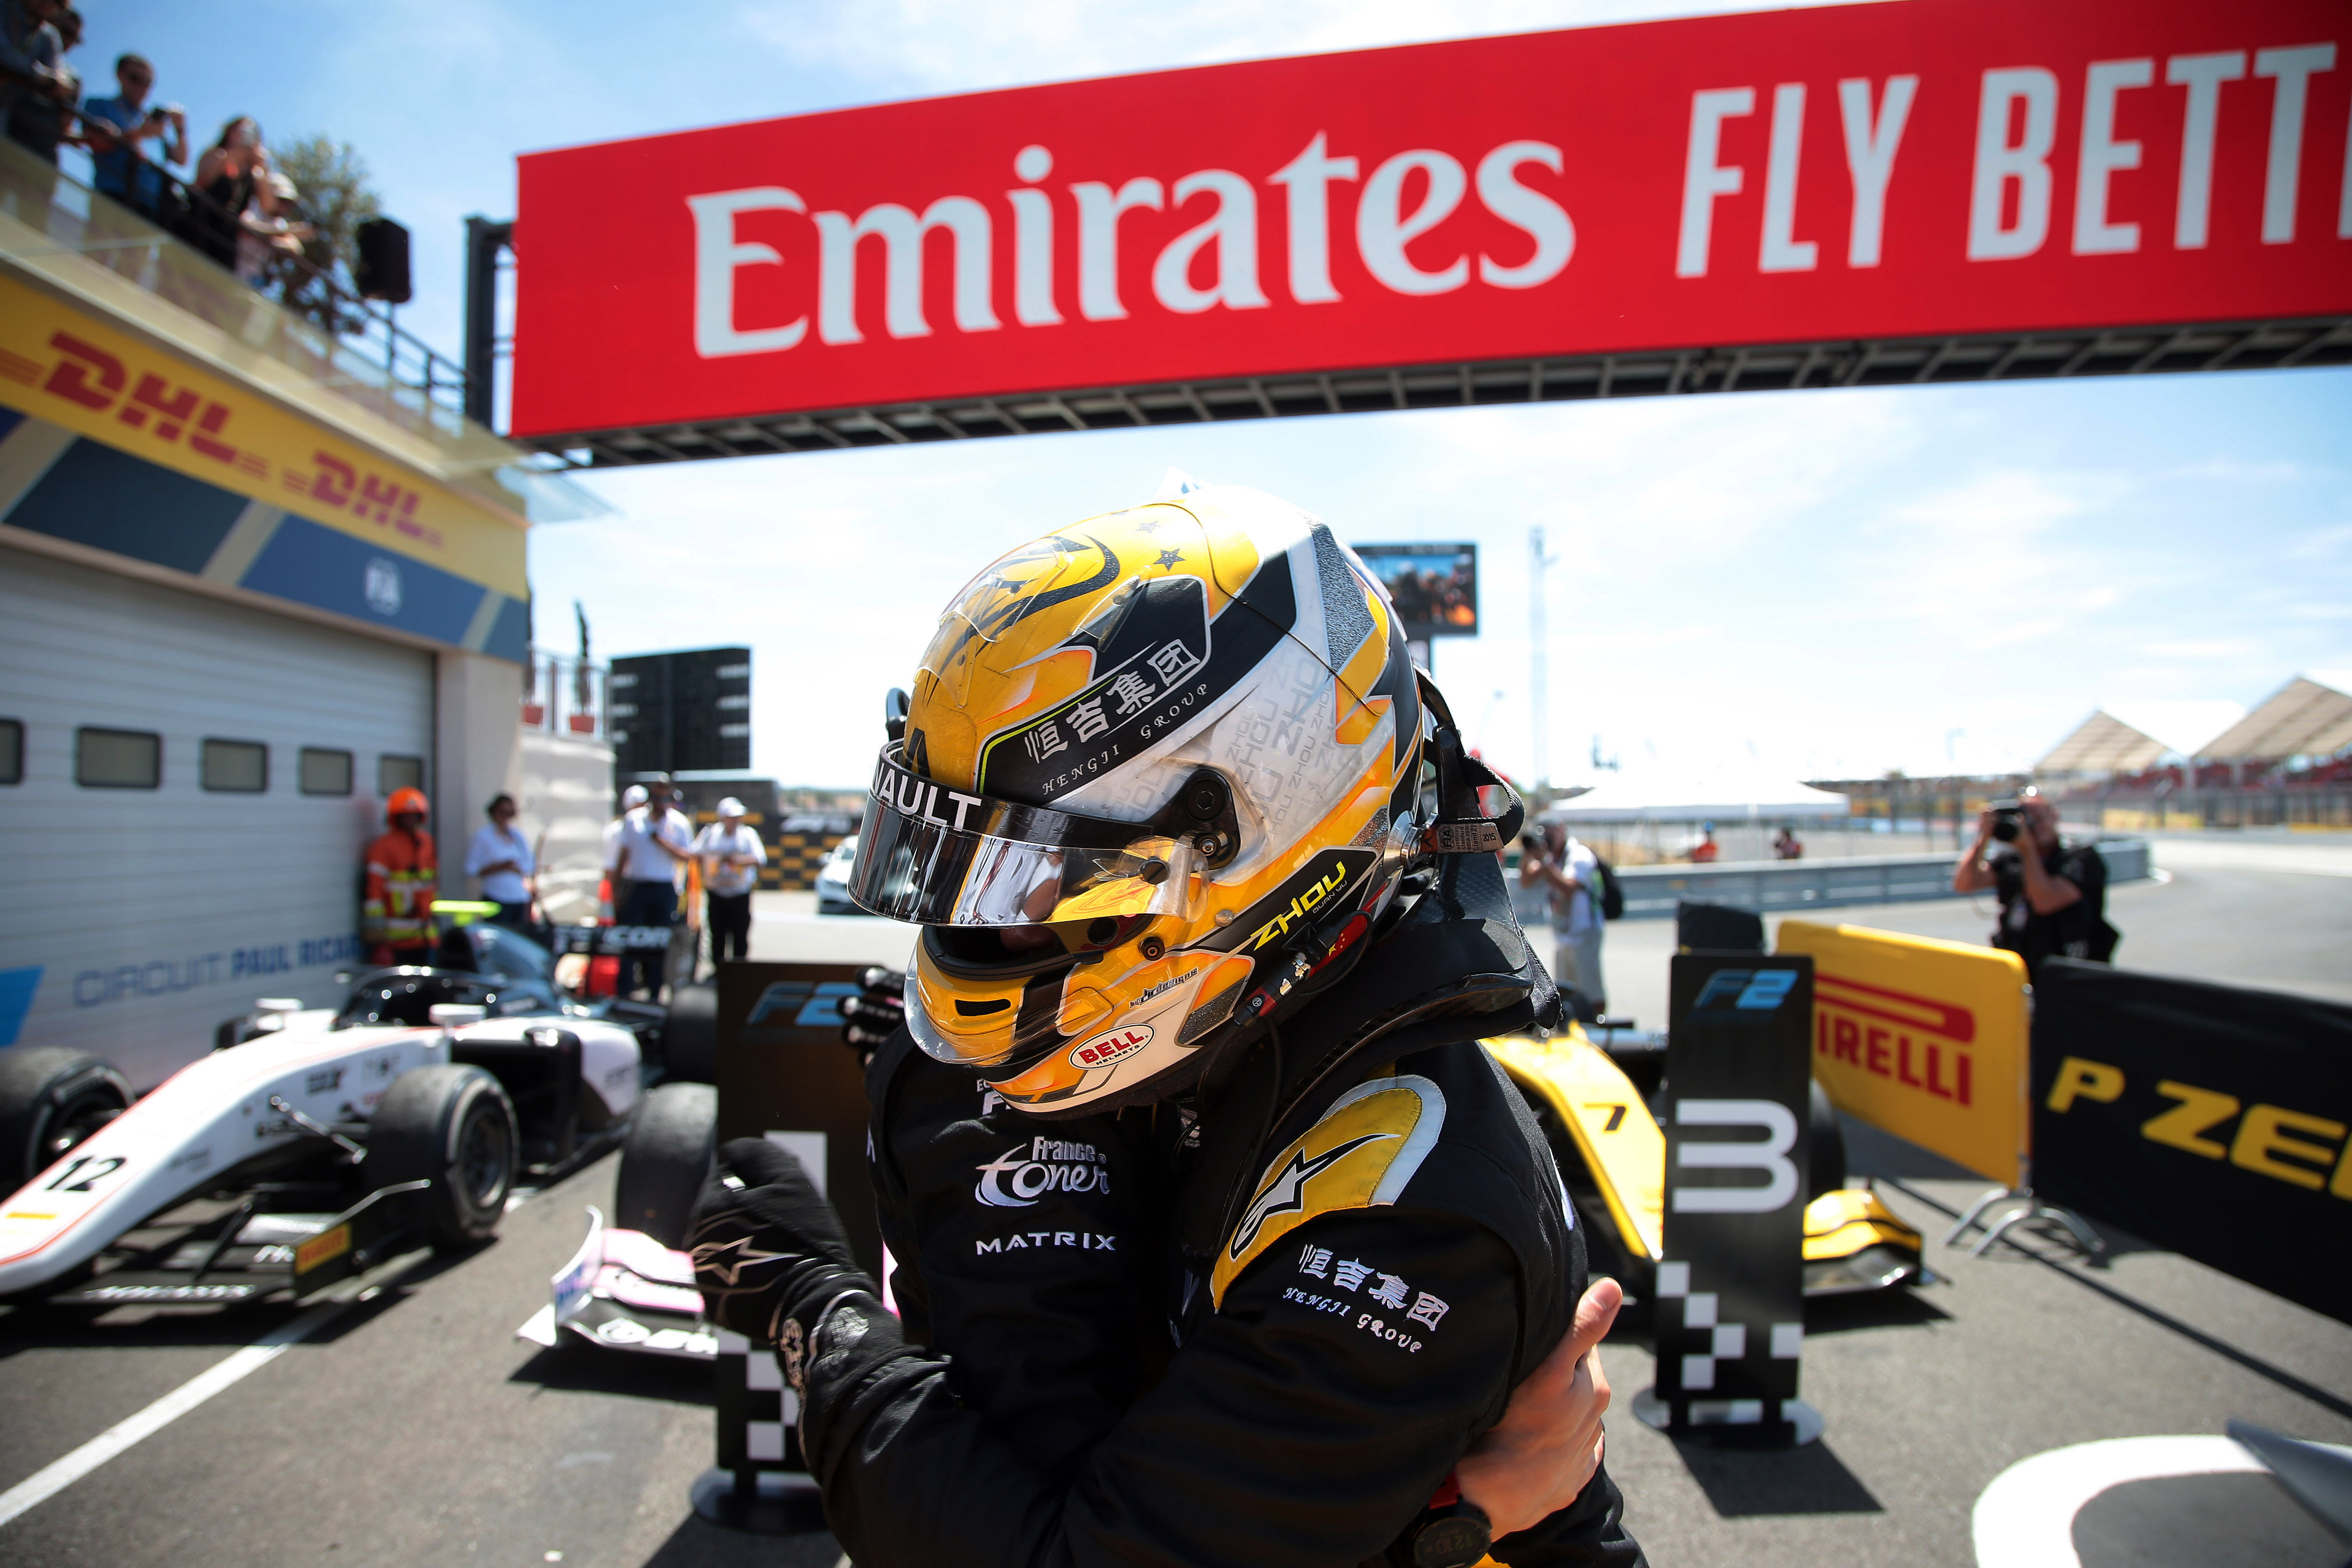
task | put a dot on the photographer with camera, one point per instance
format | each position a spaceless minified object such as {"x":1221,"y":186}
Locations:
{"x":2052,"y":899}
{"x":1570,"y":874}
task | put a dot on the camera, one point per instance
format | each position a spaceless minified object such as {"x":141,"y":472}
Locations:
{"x":2008,"y":820}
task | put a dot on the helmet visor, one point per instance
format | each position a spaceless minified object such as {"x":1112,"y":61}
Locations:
{"x":935,"y":856}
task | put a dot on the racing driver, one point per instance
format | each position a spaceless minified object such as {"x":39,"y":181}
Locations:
{"x":1235,"y":1241}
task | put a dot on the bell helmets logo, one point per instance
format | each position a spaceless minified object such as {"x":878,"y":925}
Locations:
{"x":1108,"y":1050}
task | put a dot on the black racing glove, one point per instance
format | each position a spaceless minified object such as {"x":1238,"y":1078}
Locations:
{"x":877,"y":1013}
{"x":769,"y":1253}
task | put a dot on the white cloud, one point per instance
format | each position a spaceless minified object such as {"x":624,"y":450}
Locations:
{"x":2227,"y":470}
{"x":2199,"y":649}
{"x":946,"y":46}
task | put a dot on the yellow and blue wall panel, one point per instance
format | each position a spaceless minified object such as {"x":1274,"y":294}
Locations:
{"x":116,"y":444}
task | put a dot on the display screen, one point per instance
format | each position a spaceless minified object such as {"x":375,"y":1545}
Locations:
{"x":1435,"y":586}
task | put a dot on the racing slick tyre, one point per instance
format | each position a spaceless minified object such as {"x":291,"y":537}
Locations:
{"x":690,"y":1036}
{"x":451,"y":1125}
{"x":666,"y":1161}
{"x":1825,"y":1140}
{"x":51,"y":1098}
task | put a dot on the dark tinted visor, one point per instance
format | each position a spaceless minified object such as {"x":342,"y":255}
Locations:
{"x":935,"y":856}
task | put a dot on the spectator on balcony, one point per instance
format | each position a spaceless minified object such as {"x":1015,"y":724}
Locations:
{"x":42,"y":89}
{"x":1787,"y":845}
{"x":270,"y":228}
{"x":116,"y":126}
{"x":500,"y":858}
{"x":227,"y":176}
{"x":731,"y":855}
{"x":29,"y":45}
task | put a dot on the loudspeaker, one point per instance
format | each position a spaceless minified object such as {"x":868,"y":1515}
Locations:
{"x":380,"y":268}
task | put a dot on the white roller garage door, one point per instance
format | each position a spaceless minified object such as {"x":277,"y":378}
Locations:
{"x":137,"y":918}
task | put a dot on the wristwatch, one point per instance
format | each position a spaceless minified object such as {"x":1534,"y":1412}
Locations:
{"x":1452,"y":1532}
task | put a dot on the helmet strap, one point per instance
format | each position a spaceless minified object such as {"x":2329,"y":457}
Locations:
{"x":1463,"y":825}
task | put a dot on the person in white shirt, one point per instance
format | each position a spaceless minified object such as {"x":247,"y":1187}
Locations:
{"x":731,"y":855}
{"x":631,"y":799}
{"x":644,"y":859}
{"x":500,"y":858}
{"x":1569,"y":873}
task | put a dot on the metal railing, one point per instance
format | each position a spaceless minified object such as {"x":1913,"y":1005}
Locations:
{"x":2251,"y":805}
{"x":566,"y":697}
{"x":1794,"y":887}
{"x":376,"y":364}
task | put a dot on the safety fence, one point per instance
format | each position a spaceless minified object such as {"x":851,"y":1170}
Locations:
{"x":1780,"y":887}
{"x":2304,"y":807}
{"x":794,"y":858}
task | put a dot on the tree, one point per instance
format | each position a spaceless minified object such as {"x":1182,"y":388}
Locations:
{"x":335,"y":198}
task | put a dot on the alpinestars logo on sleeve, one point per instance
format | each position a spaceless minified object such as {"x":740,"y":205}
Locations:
{"x":1288,"y":1192}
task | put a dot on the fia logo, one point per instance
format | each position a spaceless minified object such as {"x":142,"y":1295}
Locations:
{"x":383,"y":587}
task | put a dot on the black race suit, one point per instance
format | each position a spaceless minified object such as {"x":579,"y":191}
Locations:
{"x":1259,"y":1338}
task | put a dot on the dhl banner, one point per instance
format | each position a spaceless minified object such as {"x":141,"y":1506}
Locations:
{"x":70,"y":369}
{"x":2209,"y":1120}
{"x":1924,"y":1039}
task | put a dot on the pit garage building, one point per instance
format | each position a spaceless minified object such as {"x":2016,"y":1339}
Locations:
{"x":250,"y":582}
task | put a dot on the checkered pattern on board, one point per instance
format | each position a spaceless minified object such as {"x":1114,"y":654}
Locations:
{"x":795,"y":858}
{"x":1727,"y":1342}
{"x":756,"y":1412}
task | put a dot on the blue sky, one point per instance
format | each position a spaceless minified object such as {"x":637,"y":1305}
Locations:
{"x":1831,"y":583}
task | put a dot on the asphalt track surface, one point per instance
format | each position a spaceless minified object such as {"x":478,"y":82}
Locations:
{"x":415,"y":1428}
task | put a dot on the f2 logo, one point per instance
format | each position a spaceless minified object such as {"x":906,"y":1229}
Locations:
{"x":789,"y":1004}
{"x":783,"y":996}
{"x":1769,"y":1154}
{"x":1762,"y":989}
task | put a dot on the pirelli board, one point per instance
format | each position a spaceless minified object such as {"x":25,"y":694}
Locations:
{"x":114,"y":444}
{"x":1924,"y":1039}
{"x":2208,"y":1120}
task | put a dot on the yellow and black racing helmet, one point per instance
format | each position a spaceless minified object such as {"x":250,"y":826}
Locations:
{"x":1159,"y":773}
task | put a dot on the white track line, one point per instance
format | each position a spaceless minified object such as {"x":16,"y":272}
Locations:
{"x":2025,"y":1518}
{"x":46,"y":1483}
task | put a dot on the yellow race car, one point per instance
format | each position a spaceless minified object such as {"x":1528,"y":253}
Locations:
{"x":1612,"y":1155}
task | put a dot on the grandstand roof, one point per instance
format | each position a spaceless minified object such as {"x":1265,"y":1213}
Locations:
{"x":2125,"y":737}
{"x":2309,"y":716}
{"x":1728,"y":791}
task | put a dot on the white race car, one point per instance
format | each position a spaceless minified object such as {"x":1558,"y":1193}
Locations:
{"x":833,"y":879}
{"x":302,"y":1153}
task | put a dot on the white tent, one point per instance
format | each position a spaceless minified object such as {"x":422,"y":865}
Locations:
{"x":1723,"y":796}
{"x":2125,"y":737}
{"x":2309,"y":716}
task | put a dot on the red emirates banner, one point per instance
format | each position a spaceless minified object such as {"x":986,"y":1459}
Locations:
{"x":1920,"y":168}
